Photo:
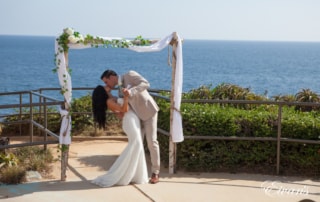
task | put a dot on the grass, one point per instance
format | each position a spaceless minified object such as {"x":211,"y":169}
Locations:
{"x":12,"y":175}
{"x":18,"y":161}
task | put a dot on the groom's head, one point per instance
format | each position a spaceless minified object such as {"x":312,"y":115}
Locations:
{"x":110,"y":78}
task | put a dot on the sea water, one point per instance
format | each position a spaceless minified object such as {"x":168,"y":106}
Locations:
{"x":269,"y":68}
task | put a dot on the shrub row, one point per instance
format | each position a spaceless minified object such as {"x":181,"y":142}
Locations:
{"x":249,"y":156}
{"x":228,"y":120}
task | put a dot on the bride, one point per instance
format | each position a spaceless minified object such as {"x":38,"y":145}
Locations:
{"x":130,"y":166}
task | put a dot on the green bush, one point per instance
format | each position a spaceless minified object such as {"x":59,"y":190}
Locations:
{"x":13,"y":175}
{"x":80,"y":114}
{"x":53,"y":121}
{"x":35,"y":158}
{"x":300,"y":125}
{"x":16,"y":162}
{"x":248,"y":156}
{"x":81,"y":121}
{"x":8,"y":160}
{"x":10,"y":171}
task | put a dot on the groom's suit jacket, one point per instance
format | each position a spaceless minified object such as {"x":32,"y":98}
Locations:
{"x":140,"y":100}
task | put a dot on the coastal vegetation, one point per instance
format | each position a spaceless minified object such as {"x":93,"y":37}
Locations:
{"x":244,"y":120}
{"x":15,"y":163}
{"x":223,"y":119}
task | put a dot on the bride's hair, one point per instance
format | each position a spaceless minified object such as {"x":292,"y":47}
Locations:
{"x":99,"y":106}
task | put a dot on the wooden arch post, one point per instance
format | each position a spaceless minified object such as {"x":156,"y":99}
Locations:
{"x":172,"y":145}
{"x":65,"y":148}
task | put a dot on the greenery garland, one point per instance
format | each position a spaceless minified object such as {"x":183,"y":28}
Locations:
{"x":69,"y":36}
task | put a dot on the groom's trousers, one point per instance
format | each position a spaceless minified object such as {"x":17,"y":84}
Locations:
{"x":150,"y":132}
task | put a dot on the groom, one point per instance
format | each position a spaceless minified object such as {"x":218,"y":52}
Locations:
{"x":144,"y":106}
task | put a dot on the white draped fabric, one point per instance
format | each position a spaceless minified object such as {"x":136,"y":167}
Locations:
{"x":177,"y":132}
{"x":65,"y":130}
{"x":177,"y":135}
{"x":66,"y":88}
{"x":65,"y":83}
{"x":63,"y":75}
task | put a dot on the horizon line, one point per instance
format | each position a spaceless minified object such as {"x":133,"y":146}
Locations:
{"x":194,"y":39}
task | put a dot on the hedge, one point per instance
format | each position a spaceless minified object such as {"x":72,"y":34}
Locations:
{"x":243,"y":156}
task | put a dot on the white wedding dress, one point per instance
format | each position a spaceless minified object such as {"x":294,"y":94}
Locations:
{"x":130,"y":166}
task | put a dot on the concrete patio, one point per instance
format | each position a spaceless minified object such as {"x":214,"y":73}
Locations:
{"x":90,"y":158}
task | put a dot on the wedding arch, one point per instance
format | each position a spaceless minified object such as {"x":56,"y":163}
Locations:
{"x":71,"y":39}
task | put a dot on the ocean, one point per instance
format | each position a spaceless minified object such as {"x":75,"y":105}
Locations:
{"x":274,"y":68}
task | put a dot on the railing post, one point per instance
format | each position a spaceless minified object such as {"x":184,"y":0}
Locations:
{"x":20,"y":113}
{"x":45,"y":122}
{"x":172,"y":145}
{"x":279,"y":137}
{"x":40,"y":111}
{"x":31,"y":118}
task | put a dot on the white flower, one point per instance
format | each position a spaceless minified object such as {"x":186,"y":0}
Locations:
{"x":73,"y":39}
{"x":80,"y":37}
{"x":69,"y":31}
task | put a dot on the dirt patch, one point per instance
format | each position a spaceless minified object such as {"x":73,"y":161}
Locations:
{"x":81,"y":147}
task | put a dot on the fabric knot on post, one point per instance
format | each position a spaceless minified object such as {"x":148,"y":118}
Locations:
{"x":65,"y":130}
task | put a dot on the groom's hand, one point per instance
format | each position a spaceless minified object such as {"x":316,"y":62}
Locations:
{"x":125,"y":92}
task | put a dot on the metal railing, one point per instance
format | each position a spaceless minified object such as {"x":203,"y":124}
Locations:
{"x":43,"y":103}
{"x":279,"y":139}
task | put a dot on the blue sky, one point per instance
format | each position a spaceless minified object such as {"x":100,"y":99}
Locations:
{"x":268,"y":20}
